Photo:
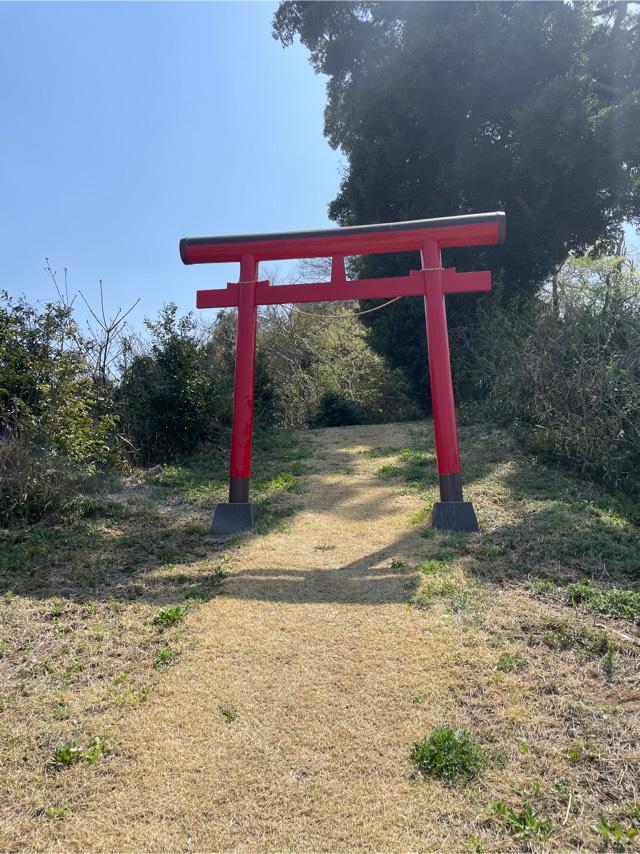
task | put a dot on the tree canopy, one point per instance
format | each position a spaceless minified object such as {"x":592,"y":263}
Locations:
{"x":444,"y":107}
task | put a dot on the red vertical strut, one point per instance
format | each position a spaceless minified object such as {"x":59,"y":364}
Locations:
{"x":444,"y":412}
{"x":242,"y":426}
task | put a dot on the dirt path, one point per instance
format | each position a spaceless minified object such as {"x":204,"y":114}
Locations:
{"x":289,"y":726}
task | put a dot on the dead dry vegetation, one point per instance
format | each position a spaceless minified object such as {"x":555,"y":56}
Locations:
{"x":163,"y":692}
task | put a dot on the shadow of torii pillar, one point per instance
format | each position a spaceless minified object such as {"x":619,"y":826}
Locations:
{"x":432,"y":282}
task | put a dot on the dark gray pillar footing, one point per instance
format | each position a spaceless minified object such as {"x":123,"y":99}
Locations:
{"x":233,"y":518}
{"x":454,"y":516}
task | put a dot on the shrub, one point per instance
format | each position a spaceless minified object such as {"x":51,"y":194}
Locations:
{"x":448,"y":755}
{"x":564,"y":371}
{"x":177,"y":394}
{"x":30,"y":486}
{"x":48,"y":398}
{"x":335,"y":410}
{"x":167,"y":399}
{"x":54,"y":429}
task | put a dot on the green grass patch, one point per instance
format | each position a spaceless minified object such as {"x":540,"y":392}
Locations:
{"x":375,"y":453}
{"x":612,"y":601}
{"x":510,"y":661}
{"x":164,"y":658}
{"x":387,"y":471}
{"x":448,"y":755}
{"x":285,"y":481}
{"x":431,"y":589}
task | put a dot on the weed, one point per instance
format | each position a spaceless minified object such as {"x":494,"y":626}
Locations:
{"x":525,"y":823}
{"x":536,"y":789}
{"x":607,"y":662}
{"x":228,"y":712}
{"x":55,"y":609}
{"x":57,"y":713}
{"x":511,"y":661}
{"x":454,"y":540}
{"x":170,"y":616}
{"x":617,"y":835}
{"x":396,"y":563}
{"x":539,"y":586}
{"x":324,"y":548}
{"x":134,"y":695}
{"x":418,"y":697}
{"x":462,"y":600}
{"x":164,"y":658}
{"x":54,"y":812}
{"x":448,"y":755}
{"x":374,"y":453}
{"x":3,"y":648}
{"x":589,"y":643}
{"x":420,"y":516}
{"x":474,"y":844}
{"x":575,"y":754}
{"x":99,"y":746}
{"x":67,"y":753}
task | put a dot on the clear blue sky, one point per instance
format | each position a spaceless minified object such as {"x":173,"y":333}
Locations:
{"x":128,"y":126}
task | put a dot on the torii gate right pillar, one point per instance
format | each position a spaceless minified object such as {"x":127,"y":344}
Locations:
{"x":451,"y":513}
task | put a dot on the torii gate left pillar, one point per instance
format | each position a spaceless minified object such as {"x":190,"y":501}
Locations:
{"x":432,"y":282}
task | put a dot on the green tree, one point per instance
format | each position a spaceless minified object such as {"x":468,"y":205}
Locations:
{"x":48,"y":399}
{"x":443,"y":108}
{"x":167,"y":397}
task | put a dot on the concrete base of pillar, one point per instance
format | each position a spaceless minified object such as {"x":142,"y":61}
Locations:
{"x":454,"y":516}
{"x":233,"y":518}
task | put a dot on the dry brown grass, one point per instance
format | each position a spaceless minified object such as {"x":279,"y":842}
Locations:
{"x":288,"y":719}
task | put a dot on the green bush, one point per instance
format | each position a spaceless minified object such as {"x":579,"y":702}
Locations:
{"x":448,"y":754}
{"x":563,"y":371}
{"x":55,"y":431}
{"x":178,"y":393}
{"x":48,"y":398}
{"x":335,"y":410}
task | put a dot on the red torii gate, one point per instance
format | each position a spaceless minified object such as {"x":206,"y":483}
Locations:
{"x":429,"y":236}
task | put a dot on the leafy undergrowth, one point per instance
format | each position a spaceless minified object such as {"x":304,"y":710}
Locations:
{"x":94,"y":609}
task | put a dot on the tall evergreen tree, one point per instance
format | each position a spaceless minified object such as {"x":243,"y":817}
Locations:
{"x":444,"y":107}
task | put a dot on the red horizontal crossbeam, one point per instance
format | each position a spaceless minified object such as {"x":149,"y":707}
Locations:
{"x":468,"y":230}
{"x":397,"y":286}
